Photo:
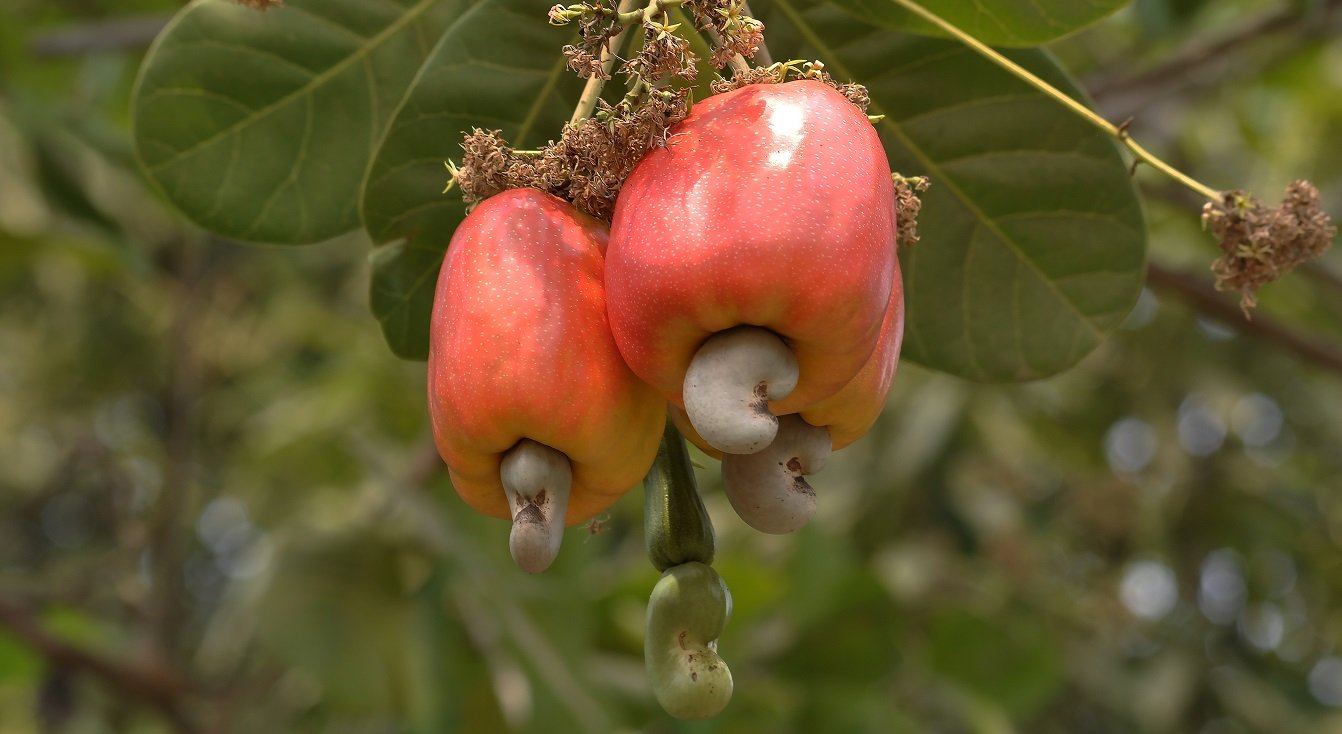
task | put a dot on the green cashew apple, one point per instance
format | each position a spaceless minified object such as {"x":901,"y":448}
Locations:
{"x":687,"y":612}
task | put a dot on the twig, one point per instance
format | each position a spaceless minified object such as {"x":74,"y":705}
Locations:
{"x":1323,"y":275}
{"x":151,"y":682}
{"x":737,"y":61}
{"x":762,"y":55}
{"x":1194,"y":57}
{"x":166,"y":541}
{"x":108,"y":35}
{"x":591,"y":92}
{"x":1116,"y":132}
{"x":1199,"y":293}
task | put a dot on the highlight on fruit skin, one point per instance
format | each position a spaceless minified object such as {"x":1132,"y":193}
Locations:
{"x":520,"y":351}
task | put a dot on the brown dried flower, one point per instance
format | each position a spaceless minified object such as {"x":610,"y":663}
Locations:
{"x":1259,"y":244}
{"x":736,"y":31}
{"x":586,"y":166}
{"x":260,"y":4}
{"x":664,"y":54}
{"x":782,"y":72}
{"x":908,"y":204}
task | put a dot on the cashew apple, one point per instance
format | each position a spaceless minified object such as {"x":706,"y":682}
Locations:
{"x":769,"y":211}
{"x":532,"y":406}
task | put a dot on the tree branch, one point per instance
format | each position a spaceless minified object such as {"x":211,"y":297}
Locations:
{"x":108,"y":35}
{"x":1199,"y":293}
{"x":151,"y":682}
{"x":1194,"y":57}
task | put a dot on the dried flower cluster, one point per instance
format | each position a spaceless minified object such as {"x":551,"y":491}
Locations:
{"x":588,"y":164}
{"x":1260,"y":244}
{"x":728,"y":19}
{"x":598,"y":23}
{"x":790,"y":70}
{"x":260,"y":4}
{"x":908,"y":205}
{"x":664,"y":54}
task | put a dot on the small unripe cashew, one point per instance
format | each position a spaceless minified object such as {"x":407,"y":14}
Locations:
{"x":687,"y":612}
{"x":767,"y":489}
{"x":536,"y":479}
{"x":729,"y":384}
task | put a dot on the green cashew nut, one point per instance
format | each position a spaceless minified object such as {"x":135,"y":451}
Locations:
{"x":676,"y":526}
{"x":688,"y":610}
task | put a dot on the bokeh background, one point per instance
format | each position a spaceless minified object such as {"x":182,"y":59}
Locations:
{"x":220,"y":511}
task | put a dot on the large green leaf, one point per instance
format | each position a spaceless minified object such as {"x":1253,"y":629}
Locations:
{"x":1033,"y":240}
{"x":1000,"y":22}
{"x":259,"y":126}
{"x":498,"y":67}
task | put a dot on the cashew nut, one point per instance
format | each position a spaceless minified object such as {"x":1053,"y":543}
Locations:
{"x":536,"y":479}
{"x":729,"y":384}
{"x":767,"y":489}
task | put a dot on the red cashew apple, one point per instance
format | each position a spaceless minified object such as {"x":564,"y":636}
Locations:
{"x":751,"y":258}
{"x":533,"y":409}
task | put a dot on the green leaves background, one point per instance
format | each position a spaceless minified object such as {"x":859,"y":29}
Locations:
{"x":304,"y":122}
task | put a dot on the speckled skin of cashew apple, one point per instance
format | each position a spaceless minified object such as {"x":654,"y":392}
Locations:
{"x":849,"y":413}
{"x":520,"y":347}
{"x":771,"y":206}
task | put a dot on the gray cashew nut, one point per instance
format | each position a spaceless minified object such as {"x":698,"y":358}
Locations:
{"x":729,"y":384}
{"x":536,"y":480}
{"x":768,"y":489}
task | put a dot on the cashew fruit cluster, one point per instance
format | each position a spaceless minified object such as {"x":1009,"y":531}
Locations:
{"x":752,"y":280}
{"x":748,"y":280}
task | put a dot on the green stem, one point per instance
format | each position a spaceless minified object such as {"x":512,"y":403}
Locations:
{"x":592,"y":91}
{"x":737,"y":61}
{"x":762,"y":56}
{"x":653,"y":8}
{"x":1117,"y":132}
{"x":676,"y":525}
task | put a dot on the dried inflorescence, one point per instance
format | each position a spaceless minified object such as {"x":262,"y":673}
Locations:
{"x":664,"y":54}
{"x":1260,"y":244}
{"x":908,"y":205}
{"x":728,"y":19}
{"x":791,"y":70}
{"x":260,"y":4}
{"x":598,"y":23}
{"x":586,"y":166}
{"x":590,"y":161}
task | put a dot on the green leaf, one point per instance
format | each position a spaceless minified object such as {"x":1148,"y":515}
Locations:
{"x":401,"y":294}
{"x":1033,"y":240}
{"x":259,"y":126}
{"x":498,"y":67}
{"x":1010,"y":660}
{"x":336,"y":609}
{"x":999,"y":22}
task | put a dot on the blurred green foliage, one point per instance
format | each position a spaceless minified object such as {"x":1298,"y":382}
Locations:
{"x":215,"y":475}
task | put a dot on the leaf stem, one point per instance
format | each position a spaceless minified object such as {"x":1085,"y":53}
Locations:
{"x":1117,"y":132}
